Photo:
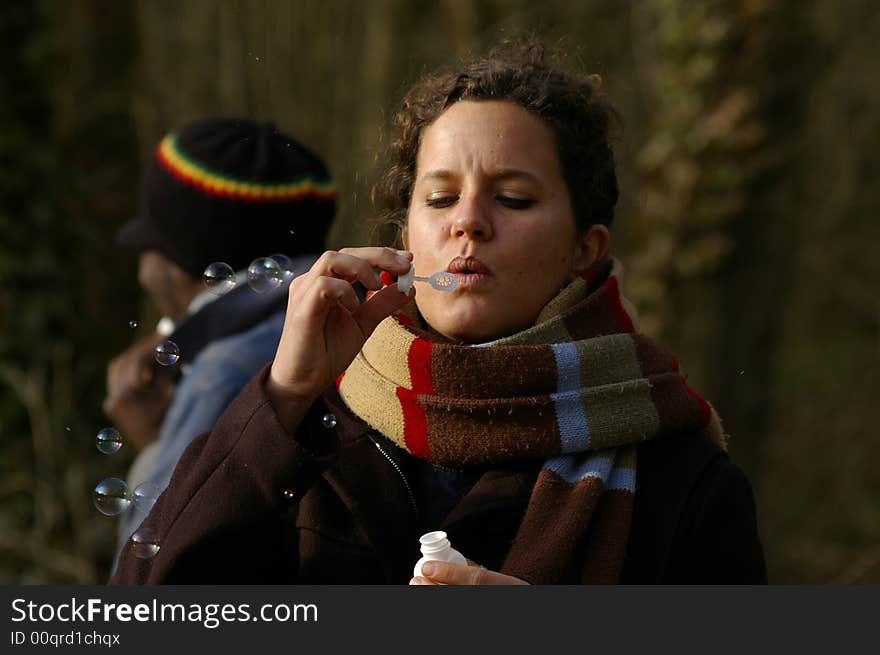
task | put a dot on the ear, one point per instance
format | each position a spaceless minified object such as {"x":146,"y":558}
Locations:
{"x":591,"y":246}
{"x":404,"y":237}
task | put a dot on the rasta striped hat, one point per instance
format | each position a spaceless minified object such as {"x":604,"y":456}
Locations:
{"x":231,"y":190}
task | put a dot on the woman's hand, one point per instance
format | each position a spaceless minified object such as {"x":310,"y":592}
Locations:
{"x":326,"y":326}
{"x":459,"y":574}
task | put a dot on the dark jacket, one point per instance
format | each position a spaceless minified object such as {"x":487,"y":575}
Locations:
{"x":249,"y":503}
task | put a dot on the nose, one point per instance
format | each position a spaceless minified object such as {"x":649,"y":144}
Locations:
{"x":471,"y":220}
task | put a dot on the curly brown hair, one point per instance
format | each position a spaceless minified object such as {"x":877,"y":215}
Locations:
{"x":521,"y":71}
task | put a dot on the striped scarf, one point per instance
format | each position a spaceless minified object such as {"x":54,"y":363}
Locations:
{"x":577,"y":391}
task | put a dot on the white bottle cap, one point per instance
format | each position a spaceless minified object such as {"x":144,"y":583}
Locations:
{"x":405,"y":281}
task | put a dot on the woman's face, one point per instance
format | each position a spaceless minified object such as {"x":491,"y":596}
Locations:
{"x":490,"y":203}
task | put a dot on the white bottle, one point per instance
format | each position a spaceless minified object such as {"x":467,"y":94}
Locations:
{"x":436,"y":547}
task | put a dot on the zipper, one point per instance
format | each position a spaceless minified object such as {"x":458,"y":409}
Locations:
{"x":412,"y":498}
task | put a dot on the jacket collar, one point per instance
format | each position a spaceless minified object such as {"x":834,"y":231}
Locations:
{"x":236,"y":311}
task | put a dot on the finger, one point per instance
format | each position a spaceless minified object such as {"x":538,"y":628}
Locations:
{"x":109,"y":407}
{"x":136,"y":372}
{"x":146,"y":376}
{"x":112,"y":372}
{"x":418,"y":580}
{"x":345,"y":266}
{"x":331,"y":291}
{"x":308,"y":307}
{"x":309,"y":311}
{"x":380,"y":306}
{"x":358,"y":264}
{"x":462,"y":574}
{"x":388,"y":259}
{"x":123,"y":375}
{"x":456,"y":574}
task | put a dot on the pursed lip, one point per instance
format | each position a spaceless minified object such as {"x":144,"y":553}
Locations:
{"x":471,"y":272}
{"x":467,"y":266}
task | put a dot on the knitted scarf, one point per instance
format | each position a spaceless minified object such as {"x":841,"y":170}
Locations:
{"x":575,"y":393}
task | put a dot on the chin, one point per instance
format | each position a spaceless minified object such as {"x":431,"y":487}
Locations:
{"x":456,"y":331}
{"x":473,"y":333}
{"x":472,"y":324}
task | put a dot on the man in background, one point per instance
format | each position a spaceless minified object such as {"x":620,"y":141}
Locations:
{"x":218,"y":193}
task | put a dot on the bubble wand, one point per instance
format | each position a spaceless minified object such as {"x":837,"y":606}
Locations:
{"x":441,"y":280}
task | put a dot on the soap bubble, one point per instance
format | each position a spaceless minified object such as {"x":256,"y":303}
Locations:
{"x":132,"y":324}
{"x":328,"y":421}
{"x":112,"y":496}
{"x":145,"y":495}
{"x":219,"y":278}
{"x":264,"y":274}
{"x":144,"y":543}
{"x":167,"y":353}
{"x":108,"y":441}
{"x":285,"y":263}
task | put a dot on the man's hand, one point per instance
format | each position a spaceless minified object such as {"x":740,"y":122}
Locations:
{"x":138,"y":393}
{"x":445,"y":573}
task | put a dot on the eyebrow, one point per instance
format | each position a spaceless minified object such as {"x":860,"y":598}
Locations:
{"x":502,"y":174}
{"x":438,"y":174}
{"x":509,"y":173}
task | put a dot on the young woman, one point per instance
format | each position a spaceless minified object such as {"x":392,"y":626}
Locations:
{"x":522,"y":412}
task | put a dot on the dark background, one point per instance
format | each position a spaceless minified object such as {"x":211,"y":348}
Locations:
{"x":747,"y":221}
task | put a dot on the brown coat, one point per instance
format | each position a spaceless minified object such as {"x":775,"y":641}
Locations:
{"x":248,"y":503}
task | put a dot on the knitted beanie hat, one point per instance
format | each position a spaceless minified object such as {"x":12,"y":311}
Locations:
{"x":231,"y":190}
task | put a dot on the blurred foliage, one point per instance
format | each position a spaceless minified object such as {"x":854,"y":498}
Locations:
{"x":66,"y":296}
{"x":698,"y":154}
{"x":746,"y":220}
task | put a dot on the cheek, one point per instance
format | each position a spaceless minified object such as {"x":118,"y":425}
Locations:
{"x":423,"y":238}
{"x":544,"y":271}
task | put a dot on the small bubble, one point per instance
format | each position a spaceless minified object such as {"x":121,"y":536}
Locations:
{"x":144,"y":543}
{"x":167,"y":353}
{"x":264,"y":274}
{"x":108,"y":441}
{"x":145,"y":495}
{"x":328,"y":421}
{"x":67,"y":428}
{"x":285,"y":263}
{"x":112,"y":496}
{"x":219,"y":278}
{"x":132,"y":324}
{"x":742,"y":372}
{"x":257,"y":58}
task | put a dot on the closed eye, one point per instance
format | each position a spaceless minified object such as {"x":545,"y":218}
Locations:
{"x":441,"y":201}
{"x":515,"y":203}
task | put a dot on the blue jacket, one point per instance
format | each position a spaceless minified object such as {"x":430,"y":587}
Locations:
{"x":222,"y":346}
